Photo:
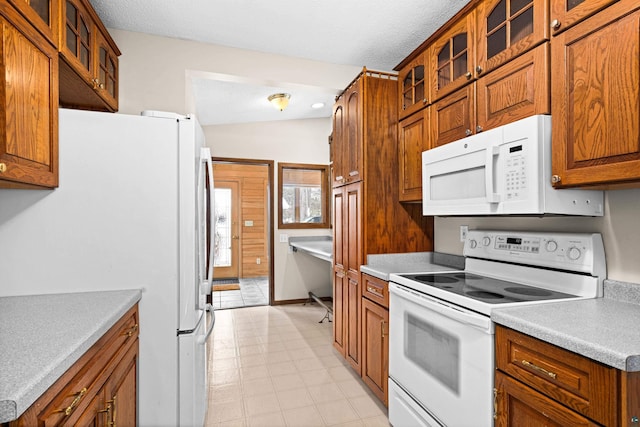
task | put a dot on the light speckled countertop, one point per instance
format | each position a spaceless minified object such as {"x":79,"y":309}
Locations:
{"x":381,"y":266}
{"x":41,"y":336}
{"x":317,"y":246}
{"x":602,"y":329}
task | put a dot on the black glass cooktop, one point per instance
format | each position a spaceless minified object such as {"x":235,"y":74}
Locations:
{"x":486,"y":289}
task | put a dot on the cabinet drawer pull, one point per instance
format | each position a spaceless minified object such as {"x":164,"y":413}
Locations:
{"x":374,"y":291}
{"x":3,"y":167}
{"x":353,"y":173}
{"x":339,"y":178}
{"x":69,"y":409}
{"x":132,"y":330}
{"x":496,"y":393}
{"x":382,"y":328}
{"x":538,"y":368}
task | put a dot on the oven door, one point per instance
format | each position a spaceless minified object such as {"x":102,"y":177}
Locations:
{"x":442,"y":355}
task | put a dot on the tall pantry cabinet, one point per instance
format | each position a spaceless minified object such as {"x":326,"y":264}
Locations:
{"x":368,"y":217}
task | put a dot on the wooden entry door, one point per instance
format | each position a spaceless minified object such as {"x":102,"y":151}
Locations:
{"x":226,"y":230}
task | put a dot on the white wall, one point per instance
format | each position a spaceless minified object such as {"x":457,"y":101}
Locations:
{"x":620,"y":228}
{"x":154,"y":74}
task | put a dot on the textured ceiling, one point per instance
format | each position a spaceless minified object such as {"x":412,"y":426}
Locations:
{"x":377,"y":34}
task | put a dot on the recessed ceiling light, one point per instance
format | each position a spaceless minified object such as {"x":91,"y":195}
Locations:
{"x":317,"y":105}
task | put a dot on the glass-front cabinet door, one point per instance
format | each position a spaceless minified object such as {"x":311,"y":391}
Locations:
{"x":413,"y":86}
{"x":77,"y":38}
{"x":566,"y":13}
{"x":106,"y":81}
{"x":42,"y":14}
{"x":508,"y":28}
{"x":452,"y":58}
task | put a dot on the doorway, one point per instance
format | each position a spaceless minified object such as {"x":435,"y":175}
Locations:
{"x":243,"y":230}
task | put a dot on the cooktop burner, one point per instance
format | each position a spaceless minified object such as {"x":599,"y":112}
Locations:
{"x":486,"y":289}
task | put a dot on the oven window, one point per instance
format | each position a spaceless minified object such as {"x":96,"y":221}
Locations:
{"x":434,"y":350}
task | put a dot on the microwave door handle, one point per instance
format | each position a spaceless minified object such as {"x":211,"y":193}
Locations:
{"x":492,"y":152}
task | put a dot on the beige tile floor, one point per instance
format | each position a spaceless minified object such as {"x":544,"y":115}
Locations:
{"x":275,"y":366}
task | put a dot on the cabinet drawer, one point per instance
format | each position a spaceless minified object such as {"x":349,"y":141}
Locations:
{"x":376,"y":290}
{"x":515,"y":402}
{"x":582,"y":384}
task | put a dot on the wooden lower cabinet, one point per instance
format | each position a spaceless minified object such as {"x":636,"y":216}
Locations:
{"x":537,"y":383}
{"x":375,"y":348}
{"x":100,"y":389}
{"x":339,"y":310}
{"x":521,"y":406}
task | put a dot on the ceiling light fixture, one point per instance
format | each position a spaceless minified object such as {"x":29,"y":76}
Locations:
{"x":317,"y":105}
{"x":279,"y":100}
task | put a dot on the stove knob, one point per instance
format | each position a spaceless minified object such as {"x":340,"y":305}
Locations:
{"x":486,"y":241}
{"x":473,"y":244}
{"x":551,"y":246}
{"x":574,"y":253}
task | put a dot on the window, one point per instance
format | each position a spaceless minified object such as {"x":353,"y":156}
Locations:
{"x":304,"y":196}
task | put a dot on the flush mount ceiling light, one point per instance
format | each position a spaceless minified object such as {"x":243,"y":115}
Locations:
{"x":317,"y":105}
{"x":279,"y":100}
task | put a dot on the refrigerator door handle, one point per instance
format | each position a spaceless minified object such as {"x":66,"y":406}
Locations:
{"x":190,"y":331}
{"x":211,"y":217}
{"x":203,"y":339}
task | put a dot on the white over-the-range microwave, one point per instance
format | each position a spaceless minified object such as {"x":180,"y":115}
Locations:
{"x":503,"y":171}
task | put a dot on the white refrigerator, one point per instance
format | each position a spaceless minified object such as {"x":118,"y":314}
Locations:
{"x":130,"y":212}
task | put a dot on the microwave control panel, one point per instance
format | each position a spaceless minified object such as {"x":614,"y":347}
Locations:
{"x":515,"y":172}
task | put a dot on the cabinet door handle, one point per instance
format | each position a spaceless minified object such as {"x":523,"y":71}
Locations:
{"x":339,"y":178}
{"x":539,"y":369}
{"x":555,"y":24}
{"x":479,"y":69}
{"x":555,"y":179}
{"x":69,"y":409}
{"x":382,"y":329}
{"x":495,"y":403}
{"x":468,"y":75}
{"x":468,"y":132}
{"x":3,"y":167}
{"x":353,"y":173}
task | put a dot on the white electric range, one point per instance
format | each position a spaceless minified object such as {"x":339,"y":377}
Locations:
{"x":441,"y":349}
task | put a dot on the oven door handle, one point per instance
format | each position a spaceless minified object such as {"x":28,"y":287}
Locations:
{"x":454,"y":312}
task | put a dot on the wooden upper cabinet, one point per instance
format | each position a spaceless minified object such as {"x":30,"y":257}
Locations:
{"x":338,"y":147}
{"x":353,"y":134}
{"x":414,"y":86}
{"x":452,"y":58}
{"x":453,"y":117}
{"x":515,"y":91}
{"x":42,"y":14}
{"x":596,"y":99}
{"x":106,"y":67}
{"x":508,"y":28}
{"x":566,"y":13}
{"x":29,"y":97}
{"x":413,"y":139}
{"x":89,"y":59}
{"x":77,"y":38}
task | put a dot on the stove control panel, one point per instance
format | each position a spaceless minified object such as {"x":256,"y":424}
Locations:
{"x":582,"y":252}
